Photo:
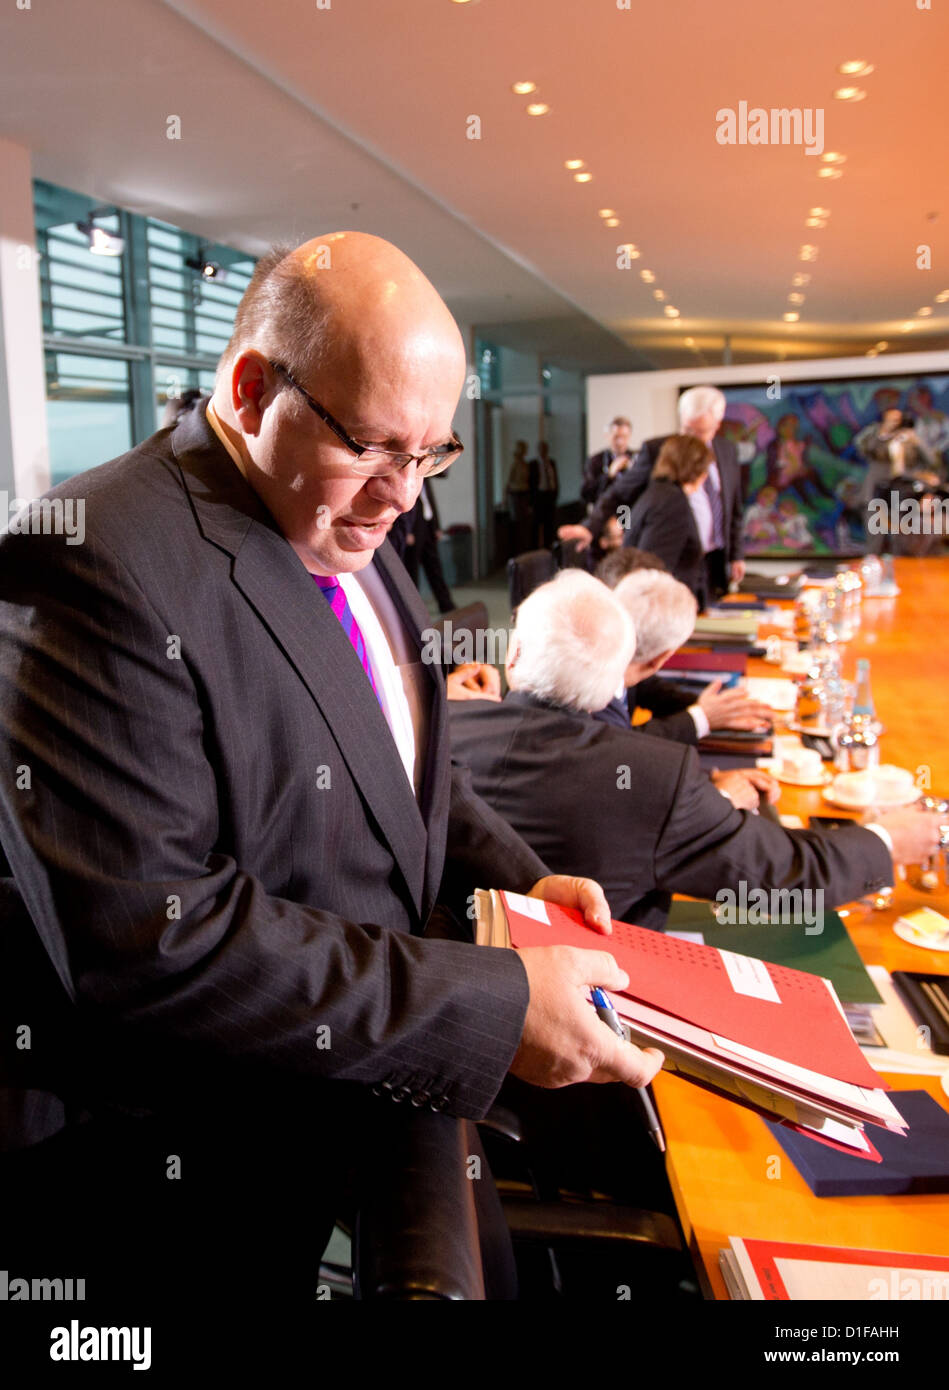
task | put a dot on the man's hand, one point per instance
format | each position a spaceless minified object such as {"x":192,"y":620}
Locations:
{"x":582,"y":893}
{"x":619,"y":465}
{"x":733,"y":709}
{"x":736,"y":572}
{"x":581,"y":534}
{"x":744,"y":785}
{"x":915,"y":834}
{"x":475,"y":680}
{"x":564,"y":1041}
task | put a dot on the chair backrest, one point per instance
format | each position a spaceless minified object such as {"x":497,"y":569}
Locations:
{"x":568,"y":556}
{"x":463,"y":623}
{"x":527,"y":572}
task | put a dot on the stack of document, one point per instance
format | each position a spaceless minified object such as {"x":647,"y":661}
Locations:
{"x":762,"y":1035}
{"x":741,"y":630}
{"x":775,"y":1269}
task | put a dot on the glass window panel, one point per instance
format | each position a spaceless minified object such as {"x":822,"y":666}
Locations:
{"x":88,"y":412}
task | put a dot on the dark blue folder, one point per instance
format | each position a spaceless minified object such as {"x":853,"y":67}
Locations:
{"x":916,"y":1162}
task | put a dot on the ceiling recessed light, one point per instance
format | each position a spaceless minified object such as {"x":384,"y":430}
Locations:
{"x":942,"y":296}
{"x":808,"y":253}
{"x":856,"y":67}
{"x":658,"y":294}
{"x":647,"y":275}
{"x":924,"y":312}
{"x":832,"y":157}
{"x":801,"y":278}
{"x":573,"y":164}
{"x":849,"y":94}
{"x":881,"y":347}
{"x":818,"y":222}
{"x":522,"y":88}
{"x":606,"y":212}
{"x":633,"y":252}
{"x":583,"y":178}
{"x":829,"y":173}
{"x":537,"y":108}
{"x":906,"y":327}
{"x":670,"y":313}
{"x":872,"y":352}
{"x":690,"y":342}
{"x":791,"y":318}
{"x":611,"y":222}
{"x":819,"y":212}
{"x":795,"y":299}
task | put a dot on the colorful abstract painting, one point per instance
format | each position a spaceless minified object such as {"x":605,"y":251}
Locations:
{"x":804,"y":478}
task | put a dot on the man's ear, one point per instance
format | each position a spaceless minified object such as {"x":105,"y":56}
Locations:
{"x":252,"y":381}
{"x":510,"y":661}
{"x":651,"y":667}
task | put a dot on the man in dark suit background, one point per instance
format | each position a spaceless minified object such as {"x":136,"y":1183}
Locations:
{"x":718,"y":506}
{"x":635,"y":811}
{"x":415,"y":536}
{"x":603,"y":468}
{"x":228,"y":804}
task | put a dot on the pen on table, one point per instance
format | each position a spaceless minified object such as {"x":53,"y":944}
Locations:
{"x":607,"y":1013}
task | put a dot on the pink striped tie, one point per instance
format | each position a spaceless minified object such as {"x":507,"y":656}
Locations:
{"x":333,"y":593}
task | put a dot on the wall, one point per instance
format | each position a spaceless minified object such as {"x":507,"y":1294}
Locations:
{"x":649,"y":398}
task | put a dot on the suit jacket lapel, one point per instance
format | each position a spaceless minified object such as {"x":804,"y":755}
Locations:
{"x":275,"y":583}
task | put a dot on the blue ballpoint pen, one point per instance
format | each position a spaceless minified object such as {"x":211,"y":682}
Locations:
{"x":606,"y":1011}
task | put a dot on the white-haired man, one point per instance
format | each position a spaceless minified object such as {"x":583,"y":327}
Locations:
{"x":717,"y":505}
{"x":637,"y":813}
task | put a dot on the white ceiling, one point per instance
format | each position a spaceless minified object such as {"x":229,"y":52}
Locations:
{"x":298,"y":119}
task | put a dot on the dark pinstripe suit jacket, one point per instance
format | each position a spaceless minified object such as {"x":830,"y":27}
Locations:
{"x":218,"y":844}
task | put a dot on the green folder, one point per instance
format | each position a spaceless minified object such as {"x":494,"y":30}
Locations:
{"x":830,"y":953}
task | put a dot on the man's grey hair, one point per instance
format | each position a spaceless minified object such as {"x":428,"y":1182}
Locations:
{"x":663,"y":611}
{"x":281,"y":314}
{"x":574,"y":642}
{"x":701,"y":400}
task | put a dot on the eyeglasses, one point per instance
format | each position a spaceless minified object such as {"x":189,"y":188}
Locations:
{"x":371,"y":461}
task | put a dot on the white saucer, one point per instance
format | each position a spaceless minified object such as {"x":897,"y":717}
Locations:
{"x":773,"y":765}
{"x":927,"y":943}
{"x":882,"y":797}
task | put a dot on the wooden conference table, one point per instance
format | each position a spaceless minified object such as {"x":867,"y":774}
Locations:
{"x":717,"y":1158}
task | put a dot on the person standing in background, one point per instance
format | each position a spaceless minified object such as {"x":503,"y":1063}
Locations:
{"x":545,"y":485}
{"x":601,"y":469}
{"x":415,"y":535}
{"x":517,"y":494}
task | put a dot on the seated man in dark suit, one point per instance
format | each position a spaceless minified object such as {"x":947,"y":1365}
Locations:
{"x":638,"y":812}
{"x":236,"y":834}
{"x":662,"y":629}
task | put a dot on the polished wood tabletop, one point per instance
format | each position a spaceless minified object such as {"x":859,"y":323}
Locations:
{"x":721,"y":1158}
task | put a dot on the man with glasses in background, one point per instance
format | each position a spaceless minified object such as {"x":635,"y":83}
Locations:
{"x":241,"y":840}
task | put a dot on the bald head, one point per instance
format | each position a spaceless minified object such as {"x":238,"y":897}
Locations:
{"x":346,"y":304}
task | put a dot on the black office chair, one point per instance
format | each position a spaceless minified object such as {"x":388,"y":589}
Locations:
{"x":462,"y":631}
{"x":527,"y":572}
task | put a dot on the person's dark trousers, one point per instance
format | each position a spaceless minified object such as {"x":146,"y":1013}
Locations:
{"x":427,"y":555}
{"x":716,"y":571}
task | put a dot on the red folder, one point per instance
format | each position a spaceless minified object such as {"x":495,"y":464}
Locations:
{"x":708,"y":661}
{"x":783,"y":1012}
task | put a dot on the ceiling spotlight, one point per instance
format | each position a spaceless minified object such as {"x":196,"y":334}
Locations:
{"x":647,"y":275}
{"x":872,"y":352}
{"x":924,"y":312}
{"x":907,"y":327}
{"x":537,"y":108}
{"x":819,"y":212}
{"x":795,"y":299}
{"x":828,"y":173}
{"x":658,"y":294}
{"x":573,"y":164}
{"x":849,"y":94}
{"x":670,"y":313}
{"x":690,"y":342}
{"x":832,"y":157}
{"x":611,"y":222}
{"x":801,"y":278}
{"x":606,"y":212}
{"x":942,"y":296}
{"x":791,"y":318}
{"x":818,"y":222}
{"x":882,"y":347}
{"x":522,"y":88}
{"x":101,"y":242}
{"x":633,"y":252}
{"x":808,"y":253}
{"x":855,"y":68}
{"x":583,"y":178}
